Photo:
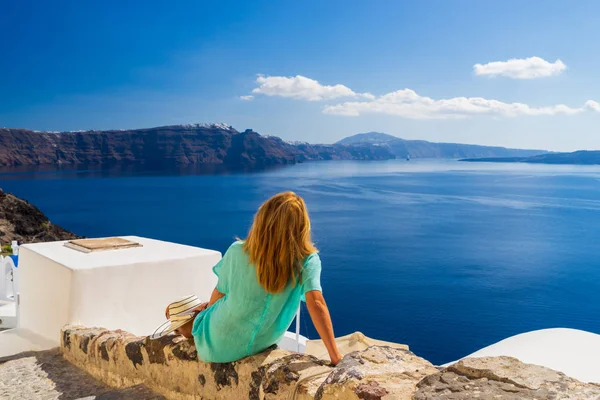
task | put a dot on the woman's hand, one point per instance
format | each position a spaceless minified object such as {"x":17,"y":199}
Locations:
{"x":336,"y":358}
{"x":201,"y":307}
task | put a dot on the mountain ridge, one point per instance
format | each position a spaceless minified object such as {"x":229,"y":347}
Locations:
{"x":216,"y":144}
{"x":208,"y":144}
{"x":425,"y":149}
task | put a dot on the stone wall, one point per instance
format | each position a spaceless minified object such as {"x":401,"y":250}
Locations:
{"x":170,"y":366}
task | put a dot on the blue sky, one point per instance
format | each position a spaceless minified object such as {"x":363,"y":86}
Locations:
{"x":407,"y":68}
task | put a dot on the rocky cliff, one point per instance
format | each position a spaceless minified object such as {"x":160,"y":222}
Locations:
{"x":25,"y":223}
{"x":212,"y":144}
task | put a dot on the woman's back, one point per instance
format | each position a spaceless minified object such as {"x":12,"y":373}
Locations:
{"x":252,"y":318}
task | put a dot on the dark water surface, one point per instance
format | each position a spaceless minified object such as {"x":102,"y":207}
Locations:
{"x":447,"y":257}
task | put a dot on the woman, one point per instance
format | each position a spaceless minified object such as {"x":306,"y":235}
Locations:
{"x":261,"y":282}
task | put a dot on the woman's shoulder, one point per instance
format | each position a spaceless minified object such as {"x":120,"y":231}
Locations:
{"x":312,"y":259}
{"x":237,"y":244}
{"x":236,"y":247}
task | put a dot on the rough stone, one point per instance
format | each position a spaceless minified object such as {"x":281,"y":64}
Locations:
{"x":370,"y":391}
{"x":185,"y":350}
{"x":122,"y":360}
{"x":256,"y":379}
{"x":502,"y":378}
{"x":156,"y":349}
{"x":66,"y":339}
{"x":225,"y":374}
{"x":134,"y":352}
{"x":85,"y":341}
{"x":287,"y":372}
{"x":370,"y":372}
{"x":104,"y":351}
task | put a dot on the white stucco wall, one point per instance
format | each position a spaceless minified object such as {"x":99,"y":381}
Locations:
{"x":117,"y":289}
{"x":44,"y":288}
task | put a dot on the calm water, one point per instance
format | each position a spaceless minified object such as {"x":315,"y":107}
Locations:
{"x":447,"y":257}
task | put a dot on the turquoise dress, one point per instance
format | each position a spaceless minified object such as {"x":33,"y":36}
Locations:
{"x":247,"y":320}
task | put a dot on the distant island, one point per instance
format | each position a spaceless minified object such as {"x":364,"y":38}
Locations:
{"x":422,"y":149}
{"x":581,"y":157}
{"x":215,"y":145}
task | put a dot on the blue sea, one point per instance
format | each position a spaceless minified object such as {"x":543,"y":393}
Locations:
{"x":445,"y":256}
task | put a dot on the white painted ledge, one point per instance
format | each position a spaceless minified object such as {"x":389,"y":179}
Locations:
{"x":573,"y":352}
{"x":117,"y":289}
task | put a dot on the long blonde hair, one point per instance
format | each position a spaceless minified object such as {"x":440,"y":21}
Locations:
{"x":279,"y":239}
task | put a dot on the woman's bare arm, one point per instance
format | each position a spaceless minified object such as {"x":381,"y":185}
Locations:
{"x":216,"y":295}
{"x":319,"y":313}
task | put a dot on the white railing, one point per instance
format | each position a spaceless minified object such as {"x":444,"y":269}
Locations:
{"x":8,"y":294}
{"x":298,"y":329}
{"x":8,"y":279}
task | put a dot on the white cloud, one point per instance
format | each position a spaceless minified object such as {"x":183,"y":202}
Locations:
{"x":592,"y":105}
{"x":303,"y":88}
{"x":519,"y":68}
{"x":404,"y":103}
{"x":408,"y":104}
